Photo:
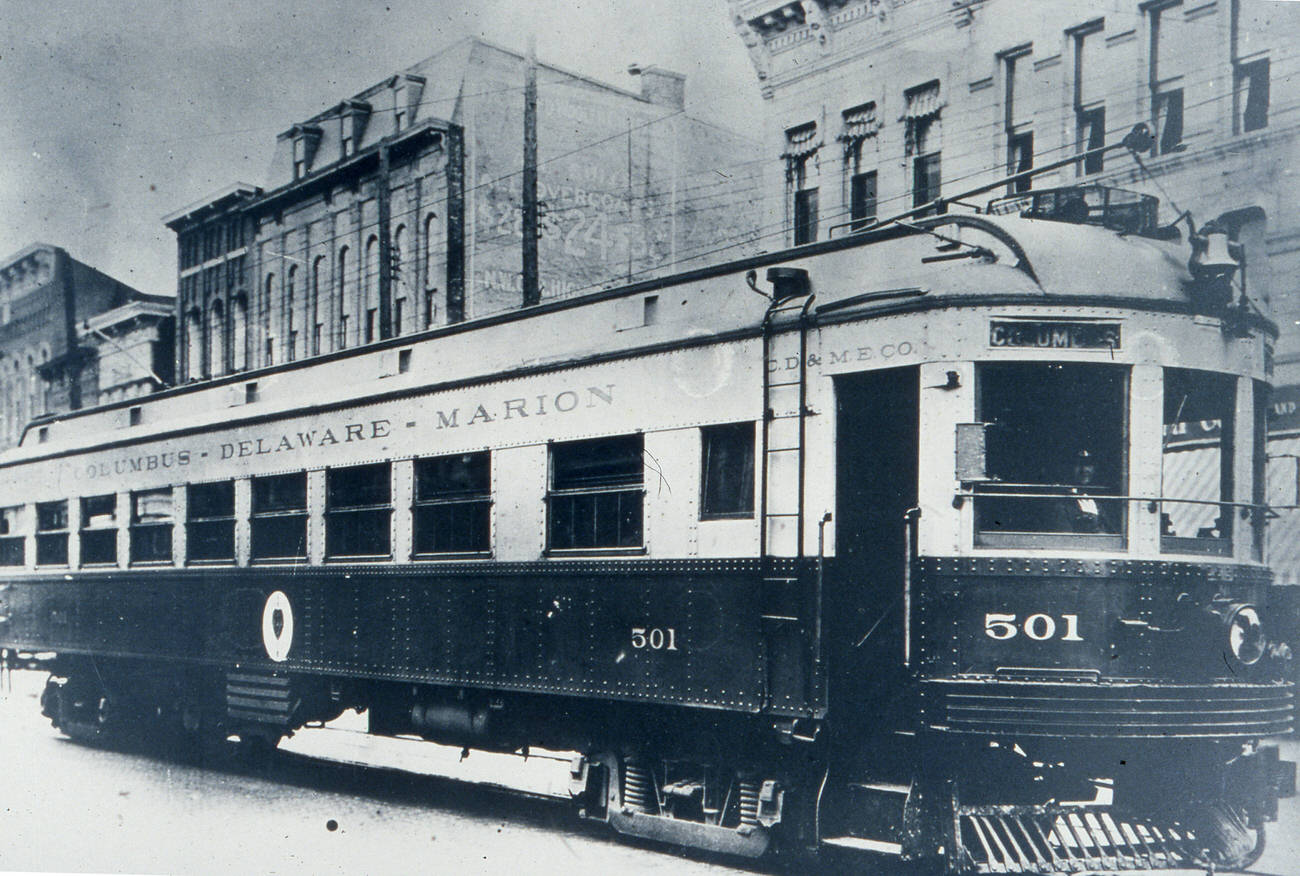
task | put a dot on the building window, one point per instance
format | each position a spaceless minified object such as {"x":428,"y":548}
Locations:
{"x":13,"y":551}
{"x":217,"y":336}
{"x":431,"y":243}
{"x":99,"y":530}
{"x":399,"y":312}
{"x":800,"y":157}
{"x":597,"y":496}
{"x":151,"y":526}
{"x":923,"y":140}
{"x":1017,"y":68}
{"x":210,"y":523}
{"x":727,"y":485}
{"x":299,"y":158}
{"x":1167,"y":57}
{"x":861,"y":126}
{"x":344,"y":297}
{"x":290,"y":313}
{"x":52,"y":533}
{"x":453,"y":504}
{"x":359,"y":511}
{"x":430,"y":308}
{"x":239,"y":333}
{"x":193,"y":344}
{"x":1089,"y":95}
{"x":279,"y":517}
{"x":1251,"y":96}
{"x":370,"y":280}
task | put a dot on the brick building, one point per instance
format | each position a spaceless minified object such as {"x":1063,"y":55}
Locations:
{"x":48,"y":303}
{"x":399,"y":208}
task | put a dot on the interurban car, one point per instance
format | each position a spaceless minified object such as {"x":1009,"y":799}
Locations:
{"x":904,"y":545}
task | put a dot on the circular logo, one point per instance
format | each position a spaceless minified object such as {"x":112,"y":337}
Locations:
{"x":277,"y":626}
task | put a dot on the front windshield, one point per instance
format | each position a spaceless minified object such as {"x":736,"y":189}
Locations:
{"x":1056,"y":449}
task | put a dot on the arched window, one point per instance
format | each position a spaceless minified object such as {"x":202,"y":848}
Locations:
{"x":217,"y":339}
{"x":401,"y":280}
{"x":193,"y":345}
{"x":371,"y":280}
{"x":290,"y":316}
{"x":315,"y":310}
{"x":432,"y":243}
{"x":344,"y":298}
{"x":268,"y":309}
{"x":239,"y":333}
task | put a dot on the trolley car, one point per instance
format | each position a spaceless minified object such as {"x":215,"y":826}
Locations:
{"x":897,"y":542}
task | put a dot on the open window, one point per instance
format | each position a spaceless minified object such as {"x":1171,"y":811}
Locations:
{"x":12,"y":540}
{"x":597,"y":494}
{"x":453,"y":504}
{"x":1196,"y":462}
{"x":99,"y":530}
{"x":151,"y":526}
{"x":1055,"y":445}
{"x":278,"y":521}
{"x":52,"y":533}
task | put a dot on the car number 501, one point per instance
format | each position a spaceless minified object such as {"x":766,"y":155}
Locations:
{"x":1039,"y":627}
{"x":655,"y":639}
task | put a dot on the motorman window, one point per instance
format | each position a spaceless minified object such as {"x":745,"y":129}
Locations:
{"x":12,"y":550}
{"x":52,"y":533}
{"x":279,"y":517}
{"x":99,"y":530}
{"x":596,"y":498}
{"x":1196,"y":469}
{"x":358,"y":515}
{"x":1055,"y":450}
{"x":151,"y":526}
{"x":210,"y":524}
{"x":727,"y":485}
{"x":453,"y":504}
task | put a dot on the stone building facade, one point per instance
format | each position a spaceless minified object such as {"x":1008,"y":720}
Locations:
{"x":399,"y":209}
{"x":876,"y":106}
{"x":47,"y":299}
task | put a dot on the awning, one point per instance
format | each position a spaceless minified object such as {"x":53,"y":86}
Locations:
{"x":923,"y":102}
{"x":860,"y":123}
{"x":802,"y":141}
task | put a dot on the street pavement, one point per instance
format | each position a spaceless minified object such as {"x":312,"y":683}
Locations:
{"x":336,"y":800}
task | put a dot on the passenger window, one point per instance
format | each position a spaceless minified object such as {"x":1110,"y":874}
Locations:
{"x":1056,"y":450}
{"x":1196,"y":469}
{"x":210,"y":518}
{"x":597,"y":495}
{"x":13,"y":550}
{"x":99,"y":530}
{"x":278,"y":521}
{"x":151,"y":526}
{"x":358,"y":516}
{"x":453,"y":504}
{"x":52,"y":533}
{"x":727,"y":466}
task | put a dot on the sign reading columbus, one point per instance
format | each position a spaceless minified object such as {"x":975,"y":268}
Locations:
{"x":1054,"y":334}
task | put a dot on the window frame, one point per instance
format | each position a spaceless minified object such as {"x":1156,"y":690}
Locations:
{"x":708,"y":434}
{"x":193,"y":522}
{"x":448,"y":501}
{"x":100,"y":534}
{"x":271,"y":517}
{"x":336,"y":515}
{"x":57,"y":535}
{"x":137,"y":529}
{"x":629,"y":485}
{"x":13,"y":531}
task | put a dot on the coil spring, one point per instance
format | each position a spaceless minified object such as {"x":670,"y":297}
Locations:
{"x":749,"y":803}
{"x":636,"y":787}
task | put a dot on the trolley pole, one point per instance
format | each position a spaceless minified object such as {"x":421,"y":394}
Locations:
{"x":531,"y":281}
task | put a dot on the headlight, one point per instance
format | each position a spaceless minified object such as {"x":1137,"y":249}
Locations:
{"x":1246,"y":634}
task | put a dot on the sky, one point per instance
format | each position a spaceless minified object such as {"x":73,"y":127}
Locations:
{"x":118,"y":112}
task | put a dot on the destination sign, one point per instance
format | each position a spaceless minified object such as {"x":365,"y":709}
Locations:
{"x":1054,"y":335}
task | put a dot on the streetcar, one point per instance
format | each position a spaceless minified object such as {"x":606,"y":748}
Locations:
{"x":899,"y":542}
